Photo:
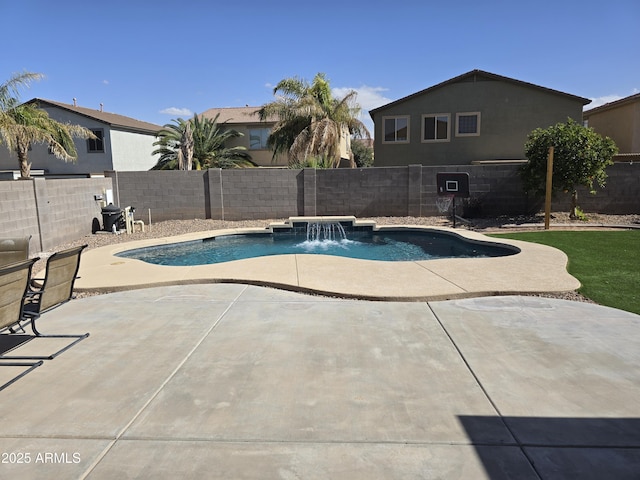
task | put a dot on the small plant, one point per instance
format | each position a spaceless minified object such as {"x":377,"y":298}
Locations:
{"x":580,"y":215}
{"x":362,"y":153}
{"x":315,"y":161}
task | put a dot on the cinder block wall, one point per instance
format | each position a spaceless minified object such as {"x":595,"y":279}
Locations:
{"x":67,"y":208}
{"x":169,"y":194}
{"x":621,"y":195}
{"x":18,"y":212}
{"x":362,"y":192}
{"x":386,"y":191}
{"x":259,"y":193}
{"x":495,"y":190}
{"x":53,"y":212}
{"x":219,"y":194}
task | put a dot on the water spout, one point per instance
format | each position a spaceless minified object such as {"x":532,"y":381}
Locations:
{"x":325,"y":231}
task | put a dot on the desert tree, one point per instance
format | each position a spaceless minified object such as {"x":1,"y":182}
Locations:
{"x":580,"y":158}
{"x":362,"y":153}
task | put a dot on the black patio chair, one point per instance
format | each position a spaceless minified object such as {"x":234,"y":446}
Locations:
{"x":56,"y":289}
{"x":14,"y":284}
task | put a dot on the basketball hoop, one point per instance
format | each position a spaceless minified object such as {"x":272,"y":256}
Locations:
{"x":443,"y":203}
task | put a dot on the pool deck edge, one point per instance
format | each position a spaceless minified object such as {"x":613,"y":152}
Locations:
{"x":536,"y":269}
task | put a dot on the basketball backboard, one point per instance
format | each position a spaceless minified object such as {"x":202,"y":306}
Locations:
{"x":453,"y":184}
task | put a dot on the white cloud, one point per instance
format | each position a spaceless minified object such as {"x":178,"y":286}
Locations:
{"x":105,"y":82}
{"x":368,"y":97}
{"x":597,"y":102}
{"x":180,"y":112}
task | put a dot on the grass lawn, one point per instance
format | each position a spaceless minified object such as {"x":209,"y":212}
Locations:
{"x":607,"y":263}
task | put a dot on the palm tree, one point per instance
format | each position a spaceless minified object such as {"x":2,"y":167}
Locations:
{"x":28,"y":123}
{"x":311,"y":122}
{"x":204,"y":139}
{"x":23,"y":125}
{"x":169,"y":141}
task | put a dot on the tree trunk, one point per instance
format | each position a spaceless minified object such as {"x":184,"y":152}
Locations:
{"x":25,"y":166}
{"x":352,"y":159}
{"x":574,"y":205}
{"x":186,"y":148}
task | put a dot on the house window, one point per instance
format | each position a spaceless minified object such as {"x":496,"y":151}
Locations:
{"x":258,"y":138}
{"x":468,"y":124}
{"x":95,"y":145}
{"x":435,"y":127}
{"x":396,"y":129}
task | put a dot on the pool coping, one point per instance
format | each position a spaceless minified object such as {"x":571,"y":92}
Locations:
{"x":536,"y":269}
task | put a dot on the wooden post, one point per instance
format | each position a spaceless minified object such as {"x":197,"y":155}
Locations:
{"x":547,"y":201}
{"x":453,"y":209}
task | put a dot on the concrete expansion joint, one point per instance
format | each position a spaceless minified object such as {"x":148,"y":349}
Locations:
{"x":122,"y":431}
{"x":485,"y":392}
{"x":273,"y":441}
{"x":295,"y":259}
{"x":440,"y":276}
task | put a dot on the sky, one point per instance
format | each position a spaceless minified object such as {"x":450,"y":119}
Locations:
{"x":158,"y":60}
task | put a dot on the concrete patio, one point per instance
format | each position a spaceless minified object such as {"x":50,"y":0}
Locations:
{"x":234,"y":381}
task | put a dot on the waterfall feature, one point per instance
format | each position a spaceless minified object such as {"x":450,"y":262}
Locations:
{"x":325,"y":231}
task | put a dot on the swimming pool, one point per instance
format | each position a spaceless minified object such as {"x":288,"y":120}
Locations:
{"x":382,"y":245}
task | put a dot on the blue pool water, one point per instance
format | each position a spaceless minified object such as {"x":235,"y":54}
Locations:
{"x":405,"y":245}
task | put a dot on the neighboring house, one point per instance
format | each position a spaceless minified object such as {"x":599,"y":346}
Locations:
{"x":123,"y":143}
{"x":346,"y":154}
{"x":245,"y":120}
{"x":255,"y":133}
{"x":473,"y":118}
{"x":619,"y":120}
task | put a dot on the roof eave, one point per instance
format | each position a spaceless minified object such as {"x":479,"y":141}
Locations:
{"x":494,"y":76}
{"x":116,"y":125}
{"x":615,"y":104}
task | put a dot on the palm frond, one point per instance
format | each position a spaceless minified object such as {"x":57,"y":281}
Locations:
{"x":9,"y":90}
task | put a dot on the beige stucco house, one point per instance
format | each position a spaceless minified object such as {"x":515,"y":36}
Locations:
{"x":473,"y":118}
{"x":255,"y":133}
{"x":245,"y":120}
{"x":123,"y":143}
{"x":619,"y":120}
